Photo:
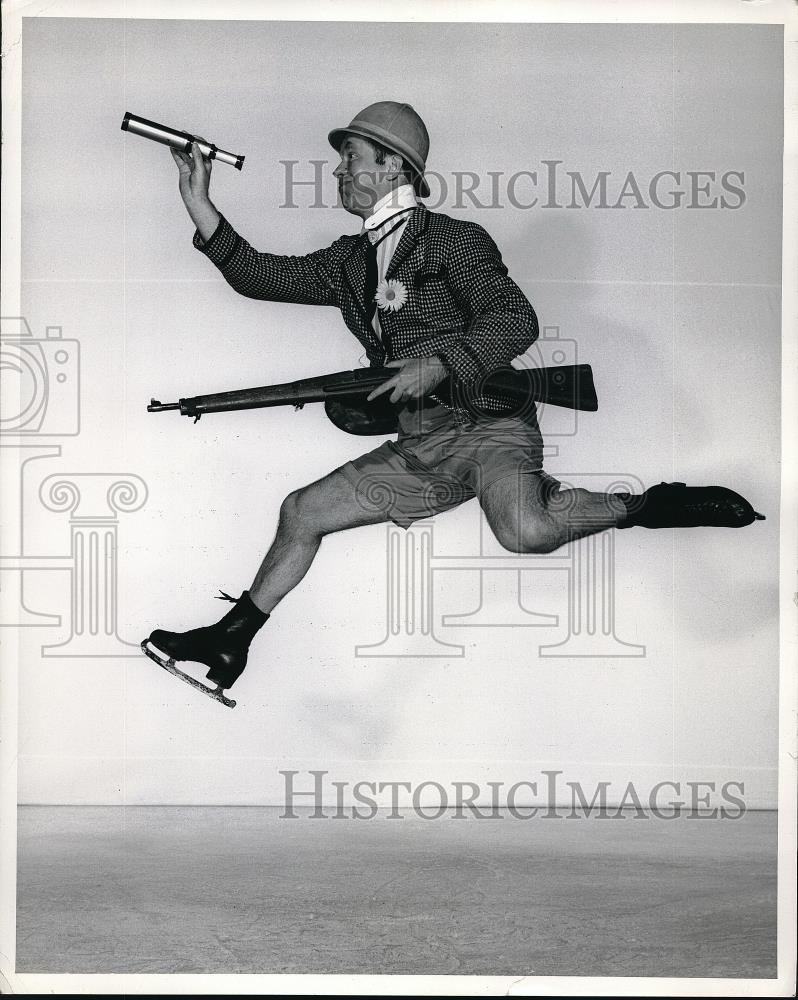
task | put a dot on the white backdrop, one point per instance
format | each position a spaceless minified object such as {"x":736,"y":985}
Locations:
{"x":678,"y":311}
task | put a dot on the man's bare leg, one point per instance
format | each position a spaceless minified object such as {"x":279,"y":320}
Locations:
{"x":306,"y":516}
{"x":528,"y":513}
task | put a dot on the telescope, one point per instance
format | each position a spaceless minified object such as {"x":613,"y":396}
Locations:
{"x":178,"y":140}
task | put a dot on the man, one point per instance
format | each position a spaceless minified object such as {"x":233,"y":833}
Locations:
{"x":429,"y":296}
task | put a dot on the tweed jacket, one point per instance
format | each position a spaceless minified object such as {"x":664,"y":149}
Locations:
{"x":461,"y":304}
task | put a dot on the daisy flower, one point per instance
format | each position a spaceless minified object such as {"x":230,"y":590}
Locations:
{"x":391,"y":295}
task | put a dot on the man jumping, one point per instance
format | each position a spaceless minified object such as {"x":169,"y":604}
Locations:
{"x":428,"y":295}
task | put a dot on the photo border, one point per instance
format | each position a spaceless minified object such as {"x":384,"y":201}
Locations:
{"x":784,"y":12}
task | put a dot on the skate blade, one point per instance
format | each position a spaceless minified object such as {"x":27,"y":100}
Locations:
{"x":169,"y":666}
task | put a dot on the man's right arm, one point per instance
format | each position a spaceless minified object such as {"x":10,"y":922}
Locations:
{"x":309,"y":279}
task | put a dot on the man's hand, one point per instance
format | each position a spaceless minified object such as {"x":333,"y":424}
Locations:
{"x":415,"y":378}
{"x":195,"y":179}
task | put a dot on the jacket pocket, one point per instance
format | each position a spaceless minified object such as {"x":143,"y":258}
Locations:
{"x":432,"y":272}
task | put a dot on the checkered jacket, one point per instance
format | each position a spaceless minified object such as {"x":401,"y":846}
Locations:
{"x":461,"y":304}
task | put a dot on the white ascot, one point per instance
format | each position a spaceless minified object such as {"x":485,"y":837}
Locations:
{"x":385,"y":226}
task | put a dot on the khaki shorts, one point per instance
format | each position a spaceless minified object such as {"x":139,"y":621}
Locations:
{"x":435,"y":464}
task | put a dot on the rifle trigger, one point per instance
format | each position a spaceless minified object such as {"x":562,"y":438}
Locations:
{"x":298,"y":406}
{"x":196,"y":418}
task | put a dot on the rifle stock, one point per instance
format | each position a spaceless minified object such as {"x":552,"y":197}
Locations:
{"x":568,"y":385}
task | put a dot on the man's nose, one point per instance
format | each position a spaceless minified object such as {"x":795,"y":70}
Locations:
{"x":339,"y":170}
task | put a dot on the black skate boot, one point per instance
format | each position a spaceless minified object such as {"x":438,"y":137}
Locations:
{"x":223,"y":647}
{"x":675,"y":505}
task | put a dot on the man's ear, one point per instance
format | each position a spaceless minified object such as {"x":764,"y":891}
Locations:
{"x":393,"y":164}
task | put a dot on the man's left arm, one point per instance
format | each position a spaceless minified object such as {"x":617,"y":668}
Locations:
{"x":501,"y":323}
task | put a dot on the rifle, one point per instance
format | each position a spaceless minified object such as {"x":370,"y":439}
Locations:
{"x":344,"y":395}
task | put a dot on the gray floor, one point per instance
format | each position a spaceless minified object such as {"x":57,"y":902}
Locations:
{"x":239,"y":890}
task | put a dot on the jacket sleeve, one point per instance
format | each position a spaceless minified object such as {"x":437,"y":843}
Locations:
{"x":501,"y":322}
{"x":310,"y":279}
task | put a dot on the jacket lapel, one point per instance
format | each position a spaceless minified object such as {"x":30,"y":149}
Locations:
{"x":354,"y":272}
{"x":355,"y":279}
{"x":413,"y":231}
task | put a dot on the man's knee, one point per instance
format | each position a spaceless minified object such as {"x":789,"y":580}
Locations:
{"x":326,"y":506}
{"x":298,"y":511}
{"x":537,"y":537}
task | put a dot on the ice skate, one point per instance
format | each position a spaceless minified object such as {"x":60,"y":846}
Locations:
{"x":222,"y":647}
{"x":676,"y":505}
{"x":216,"y":693}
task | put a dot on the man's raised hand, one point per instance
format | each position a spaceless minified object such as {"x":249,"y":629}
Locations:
{"x":195,"y":172}
{"x":195,"y":179}
{"x":415,"y":378}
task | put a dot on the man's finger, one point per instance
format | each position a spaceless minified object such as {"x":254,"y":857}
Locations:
{"x":180,"y":158}
{"x":197,"y":154}
{"x":207,"y":162}
{"x":382,"y":388}
{"x":398,"y":395}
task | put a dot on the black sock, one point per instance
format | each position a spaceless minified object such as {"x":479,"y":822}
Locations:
{"x":252,"y":608}
{"x":632,"y":504}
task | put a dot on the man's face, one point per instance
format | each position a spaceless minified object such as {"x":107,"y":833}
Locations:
{"x":361,"y":180}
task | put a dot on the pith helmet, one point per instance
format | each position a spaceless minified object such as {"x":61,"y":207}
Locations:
{"x":396,"y":126}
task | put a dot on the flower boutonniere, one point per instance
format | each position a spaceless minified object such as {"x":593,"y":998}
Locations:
{"x":391,"y":295}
